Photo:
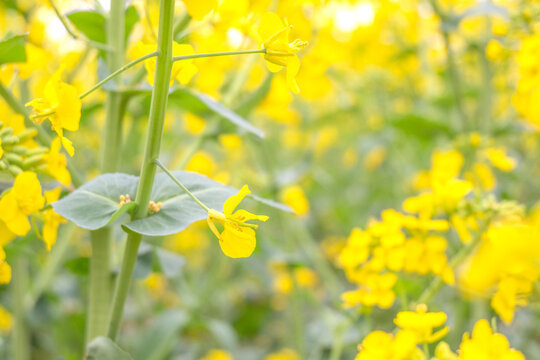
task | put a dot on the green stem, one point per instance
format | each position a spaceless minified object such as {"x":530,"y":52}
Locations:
{"x":20,"y":344}
{"x":116,"y":73}
{"x":153,"y":141}
{"x":100,"y":276}
{"x":186,"y":190}
{"x":225,"y":53}
{"x":72,"y":33}
{"x":42,"y":136}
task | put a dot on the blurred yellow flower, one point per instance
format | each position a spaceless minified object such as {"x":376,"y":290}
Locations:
{"x":182,"y":70}
{"x":484,"y":344}
{"x":379,"y":345}
{"x":5,"y":269}
{"x":23,"y":199}
{"x":56,"y":163}
{"x":285,"y":354}
{"x":5,"y":320}
{"x":61,"y":105}
{"x":52,"y":220}
{"x":295,"y":197}
{"x":199,"y":9}
{"x":422,"y":324}
{"x":217,"y":354}
{"x":237,"y":240}
{"x":274,"y":34}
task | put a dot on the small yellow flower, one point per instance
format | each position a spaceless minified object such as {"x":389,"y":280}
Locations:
{"x":379,"y":345}
{"x":217,"y":354}
{"x":295,"y":197}
{"x":237,"y":240}
{"x":422,"y":323}
{"x":5,"y":320}
{"x":5,"y":270}
{"x":22,"y":200}
{"x":279,"y":52}
{"x":484,"y":344}
{"x":61,"y":105}
{"x":56,"y":163}
{"x":285,"y":354}
{"x":52,"y":219}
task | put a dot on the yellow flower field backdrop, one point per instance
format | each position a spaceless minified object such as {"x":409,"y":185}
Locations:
{"x":275,"y":180}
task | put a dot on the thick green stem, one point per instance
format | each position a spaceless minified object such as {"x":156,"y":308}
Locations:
{"x":100,"y":277}
{"x":148,"y":170}
{"x":20,"y":343}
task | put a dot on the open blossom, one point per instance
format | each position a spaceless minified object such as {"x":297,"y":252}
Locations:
{"x":279,"y":52}
{"x":22,"y":200}
{"x":485,"y":345}
{"x":61,"y":105}
{"x":422,"y":323}
{"x":237,"y":240}
{"x":379,"y":345}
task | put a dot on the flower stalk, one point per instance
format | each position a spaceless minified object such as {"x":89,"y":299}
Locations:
{"x":148,"y":170}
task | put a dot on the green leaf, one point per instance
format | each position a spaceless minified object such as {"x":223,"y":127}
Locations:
{"x":91,"y":23}
{"x":254,"y":99}
{"x":132,"y":17}
{"x":94,"y":204}
{"x":171,"y":263}
{"x":200,"y":104}
{"x":157,"y":342}
{"x":12,"y":50}
{"x":421,"y":127}
{"x":78,"y":266}
{"x":97,"y":203}
{"x":179,"y":210}
{"x":102,"y":348}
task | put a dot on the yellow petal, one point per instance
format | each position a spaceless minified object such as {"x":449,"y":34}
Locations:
{"x":293,"y":66}
{"x":273,"y":67}
{"x":52,"y":195}
{"x":243,"y":215}
{"x":232,"y":202}
{"x":198,"y":9}
{"x":237,"y":242}
{"x":68,"y":145}
{"x":269,"y":25}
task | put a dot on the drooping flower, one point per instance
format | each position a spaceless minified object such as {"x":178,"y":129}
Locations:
{"x":52,"y":219}
{"x":20,"y":201}
{"x":237,"y":240}
{"x":56,"y":163}
{"x":61,"y":105}
{"x":280,"y":54}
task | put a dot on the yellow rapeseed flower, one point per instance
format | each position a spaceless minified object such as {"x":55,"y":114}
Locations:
{"x":217,"y":354}
{"x":237,"y":240}
{"x":56,"y":163}
{"x":484,"y":344}
{"x":20,"y":201}
{"x":52,"y":219}
{"x":379,"y":345}
{"x":5,"y":269}
{"x":61,"y":105}
{"x":279,"y":52}
{"x":5,"y":320}
{"x":199,"y":9}
{"x":295,"y":197}
{"x":422,"y":323}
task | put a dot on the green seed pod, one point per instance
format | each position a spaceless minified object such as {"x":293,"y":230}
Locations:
{"x":10,"y":140}
{"x":27,"y":134}
{"x":14,"y":170}
{"x":3,"y":165}
{"x":5,"y":132}
{"x":38,"y":150}
{"x":14,"y":159}
{"x":19,"y":150}
{"x":33,"y":160}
